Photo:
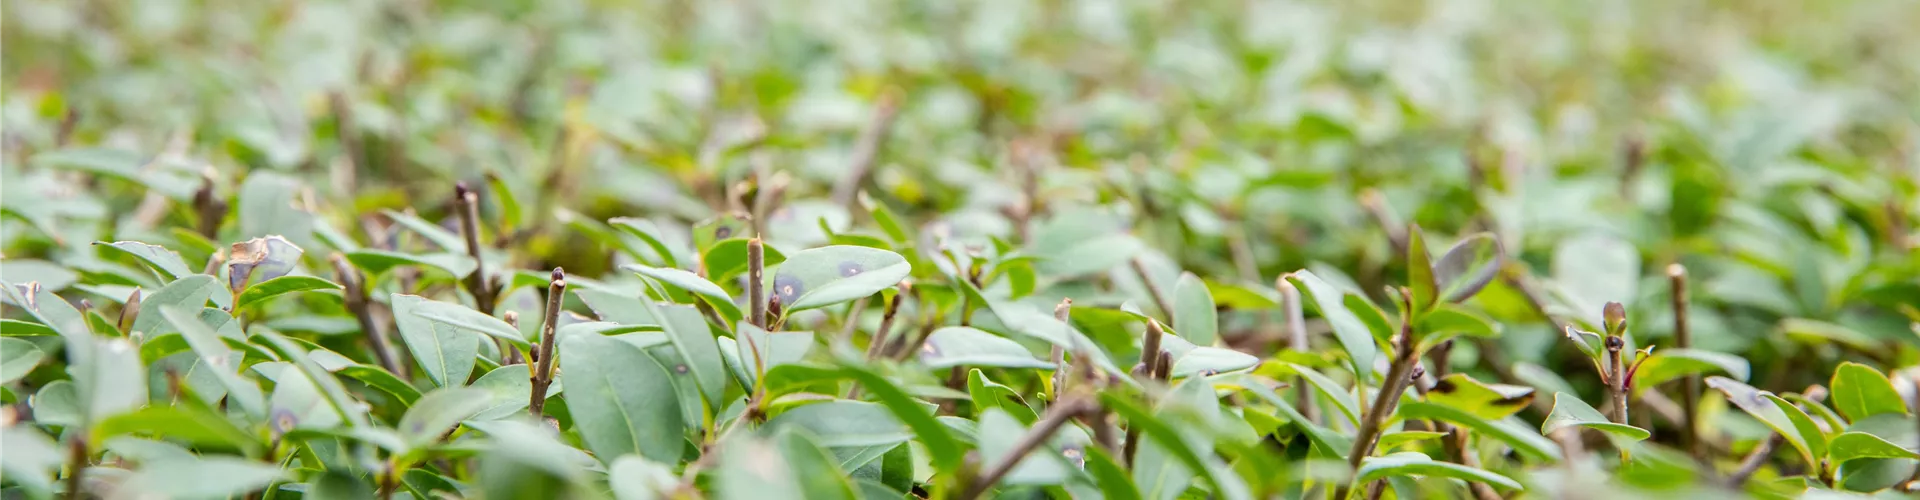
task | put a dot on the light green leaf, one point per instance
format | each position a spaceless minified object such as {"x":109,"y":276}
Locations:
{"x":1670,"y":364}
{"x":1342,"y":399}
{"x":464,"y":318}
{"x":1594,"y":268}
{"x":220,"y":359}
{"x":1488,"y":401}
{"x":1207,"y":361}
{"x":1758,"y":403}
{"x":989,"y":394}
{"x":1859,"y":391}
{"x":190,"y":293}
{"x":1420,"y":279}
{"x":1043,"y":466}
{"x":1570,"y":411}
{"x":622,"y":401}
{"x":819,"y":473}
{"x":1416,"y":463}
{"x":268,"y":289}
{"x":17,"y":359}
{"x":108,"y":376}
{"x":508,"y":391}
{"x":446,"y":354}
{"x":376,"y":261}
{"x":967,"y":346}
{"x":1354,"y":336}
{"x":208,"y":477}
{"x":633,"y":477}
{"x":844,"y":423}
{"x":708,"y":292}
{"x":10,"y":327}
{"x":1852,"y":445}
{"x":164,"y":262}
{"x":1522,"y":439}
{"x":819,"y":277}
{"x":440,"y":410}
{"x":774,"y":349}
{"x":330,"y":390}
{"x":440,"y":237}
{"x":1193,"y":311}
{"x":188,"y":423}
{"x":687,"y":330}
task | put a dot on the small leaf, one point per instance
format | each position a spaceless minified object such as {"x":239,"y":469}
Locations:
{"x":1416,"y":463}
{"x":440,"y":236}
{"x":1522,"y":439}
{"x":1670,"y":364}
{"x":1342,"y":399}
{"x":825,"y":276}
{"x":1420,"y":277}
{"x":189,"y":293}
{"x":207,"y":477}
{"x":214,"y":354}
{"x":1488,"y":401}
{"x":164,"y":262}
{"x":280,"y":286}
{"x":464,"y":318}
{"x":108,"y":377}
{"x":508,"y":391}
{"x":1815,"y":437}
{"x":439,"y":411}
{"x":1208,"y":361}
{"x":1193,"y":311}
{"x":1570,"y":411}
{"x":844,"y":423}
{"x":1448,"y":321}
{"x":17,"y":359}
{"x":687,"y":330}
{"x":650,"y":234}
{"x":1757,"y":403}
{"x":376,"y":261}
{"x":621,"y":400}
{"x":1859,"y":391}
{"x":708,"y":292}
{"x":728,"y":258}
{"x":1468,"y":267}
{"x":1852,"y":445}
{"x":966,"y":346}
{"x":439,"y":348}
{"x":989,"y":394}
{"x":1354,"y":336}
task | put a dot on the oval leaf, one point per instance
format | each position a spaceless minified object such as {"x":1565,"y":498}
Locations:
{"x":1193,"y":312}
{"x":967,"y":346}
{"x":621,"y":400}
{"x":276,"y":287}
{"x":825,"y":276}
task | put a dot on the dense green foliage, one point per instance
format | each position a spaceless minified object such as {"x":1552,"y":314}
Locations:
{"x":873,"y":249}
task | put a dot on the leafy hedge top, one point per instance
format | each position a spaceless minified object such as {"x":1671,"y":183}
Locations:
{"x":856,"y":249}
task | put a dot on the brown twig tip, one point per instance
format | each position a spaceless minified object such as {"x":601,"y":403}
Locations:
{"x":511,"y":317}
{"x":1675,"y":270}
{"x":1615,"y":344}
{"x":560,"y":275}
{"x":460,"y":190}
{"x":1062,"y":311}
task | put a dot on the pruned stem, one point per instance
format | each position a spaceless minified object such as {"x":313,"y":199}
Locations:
{"x":478,"y":283}
{"x":1061,"y":313}
{"x":877,"y":346}
{"x":355,"y":284}
{"x":1617,"y":379}
{"x":1690,"y":385}
{"x":1297,"y":342}
{"x":1399,"y":375}
{"x":1058,"y":415}
{"x":543,"y":376}
{"x":756,"y":286}
{"x":77,"y":465}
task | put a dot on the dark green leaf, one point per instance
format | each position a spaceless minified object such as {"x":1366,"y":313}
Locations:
{"x":622,"y":401}
{"x":1420,"y":278}
{"x":708,"y":292}
{"x":375,"y":261}
{"x":1416,"y":463}
{"x":1570,"y":411}
{"x":280,"y":286}
{"x":1853,"y":445}
{"x":164,"y":262}
{"x":439,"y":348}
{"x":825,"y":276}
{"x":1468,"y":267}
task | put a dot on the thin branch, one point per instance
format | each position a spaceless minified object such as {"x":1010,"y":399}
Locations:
{"x":1153,"y":290}
{"x":556,"y":291}
{"x":756,"y":286}
{"x":1758,"y":457}
{"x":1058,"y":415}
{"x":1061,"y":313}
{"x":508,"y":354}
{"x":877,"y":345}
{"x":355,"y":284}
{"x":1615,"y":316}
{"x":1297,"y":341}
{"x":1376,"y":206}
{"x":478,"y":283}
{"x":1399,"y":375}
{"x":1690,"y":385}
{"x":867,"y":150}
{"x":1147,"y":369}
{"x":77,"y":465}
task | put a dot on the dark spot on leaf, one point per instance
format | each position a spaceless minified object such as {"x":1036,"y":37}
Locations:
{"x":1208,"y":372}
{"x":722,"y":232}
{"x":850,"y":268}
{"x":284,"y":420}
{"x":680,"y":369}
{"x":1444,"y":386}
{"x":787,"y":288}
{"x":1073,"y":454}
{"x":1515,"y":401}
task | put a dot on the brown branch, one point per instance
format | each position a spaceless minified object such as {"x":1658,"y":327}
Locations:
{"x":1297,"y":341}
{"x":77,"y":458}
{"x":1399,"y":375}
{"x":1061,"y":313}
{"x":479,"y":284}
{"x":867,"y":150}
{"x":355,"y":284}
{"x":1153,"y":290}
{"x":1690,"y":385}
{"x":556,"y":291}
{"x":1057,"y":416}
{"x":756,"y":288}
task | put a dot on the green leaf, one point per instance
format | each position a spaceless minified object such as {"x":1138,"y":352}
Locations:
{"x":107,"y":376}
{"x":633,"y":477}
{"x":17,"y":359}
{"x":440,"y":237}
{"x":50,"y":309}
{"x":773,"y":349}
{"x":58,"y":403}
{"x":16,"y":328}
{"x":687,"y":330}
{"x":164,"y":262}
{"x":967,"y":346}
{"x":1416,"y":463}
{"x":1816,"y":332}
{"x":268,"y":289}
{"x":220,"y":359}
{"x":1114,"y":481}
{"x":728,"y":258}
{"x":1342,"y":399}
{"x":1448,"y":321}
{"x":1420,"y":278}
{"x":1758,"y":403}
{"x":1207,"y":361}
{"x":944,"y":451}
{"x":464,"y":318}
{"x":1392,"y":439}
{"x":508,"y":391}
{"x":268,"y":206}
{"x":208,"y":477}
{"x":819,"y":473}
{"x":1815,"y":436}
{"x":188,"y":423}
{"x":329,"y":388}
{"x":819,"y":277}
{"x":1193,"y":311}
{"x":989,"y":394}
{"x":190,"y":293}
{"x":1570,"y":411}
{"x":1354,"y":336}
{"x":1171,"y":440}
{"x":1522,"y":439}
{"x":622,"y":401}
{"x":1488,"y":401}
{"x":1853,"y":445}
{"x":650,"y":234}
{"x":439,"y":411}
{"x":376,"y":261}
{"x":1669,"y":364}
{"x":378,"y":378}
{"x":1859,"y":391}
{"x":334,"y":484}
{"x":1467,"y":267}
{"x":692,"y":283}
{"x":439,"y":348}
{"x":844,"y":423}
